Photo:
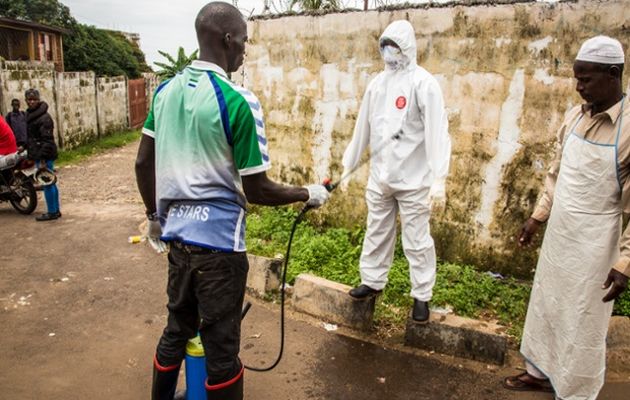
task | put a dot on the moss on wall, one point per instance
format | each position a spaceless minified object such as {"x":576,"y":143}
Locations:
{"x":524,"y":27}
{"x":19,"y":75}
{"x":456,"y":233}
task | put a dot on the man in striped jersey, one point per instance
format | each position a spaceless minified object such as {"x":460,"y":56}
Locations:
{"x":202,"y":156}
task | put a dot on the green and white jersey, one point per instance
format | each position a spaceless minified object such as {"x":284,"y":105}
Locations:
{"x":208,"y":133}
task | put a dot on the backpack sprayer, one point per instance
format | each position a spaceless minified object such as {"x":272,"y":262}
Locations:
{"x":330,"y":186}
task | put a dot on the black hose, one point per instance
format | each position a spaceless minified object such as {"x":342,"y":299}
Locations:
{"x":330,"y":187}
{"x":298,"y":219}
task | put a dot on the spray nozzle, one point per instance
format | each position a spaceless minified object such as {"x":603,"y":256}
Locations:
{"x":329,"y":185}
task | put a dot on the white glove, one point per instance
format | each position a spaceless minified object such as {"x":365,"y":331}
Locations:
{"x":317,"y":195}
{"x":437,"y":193}
{"x":153,"y":233}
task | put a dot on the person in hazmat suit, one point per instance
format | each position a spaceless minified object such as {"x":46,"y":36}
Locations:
{"x":403,"y":121}
{"x":584,"y":260}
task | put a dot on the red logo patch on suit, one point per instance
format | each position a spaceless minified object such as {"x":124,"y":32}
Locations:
{"x":401,"y":102}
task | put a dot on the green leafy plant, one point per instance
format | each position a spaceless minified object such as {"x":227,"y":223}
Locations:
{"x":175,"y":65}
{"x":622,"y":304}
{"x":333,"y":253}
{"x":107,"y":53}
{"x":473,"y":294}
{"x":50,"y":12}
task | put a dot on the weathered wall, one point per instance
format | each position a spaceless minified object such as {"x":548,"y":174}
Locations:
{"x":76,"y":102}
{"x":112,"y":104}
{"x":506,"y":74}
{"x":17,"y":77}
{"x":82,"y":105}
{"x":151,"y":82}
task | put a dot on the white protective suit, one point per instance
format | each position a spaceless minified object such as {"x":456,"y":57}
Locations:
{"x":405,"y":173}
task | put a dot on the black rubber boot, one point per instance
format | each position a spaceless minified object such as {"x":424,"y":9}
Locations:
{"x":164,"y":381}
{"x":420,"y":313}
{"x":230,"y":390}
{"x":363,"y":292}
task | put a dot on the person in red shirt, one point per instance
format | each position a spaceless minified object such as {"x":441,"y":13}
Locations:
{"x":7,"y":139}
{"x":8,"y":149}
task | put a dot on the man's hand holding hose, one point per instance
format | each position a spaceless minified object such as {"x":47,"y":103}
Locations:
{"x":317,"y":195}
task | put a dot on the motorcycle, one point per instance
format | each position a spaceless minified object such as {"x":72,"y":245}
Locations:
{"x":17,"y":177}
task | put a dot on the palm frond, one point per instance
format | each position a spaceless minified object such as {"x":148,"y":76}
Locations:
{"x":175,"y":65}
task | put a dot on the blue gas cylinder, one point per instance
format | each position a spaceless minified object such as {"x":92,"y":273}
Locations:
{"x":196,"y":373}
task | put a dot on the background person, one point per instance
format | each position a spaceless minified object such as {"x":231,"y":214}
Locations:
{"x":202,"y":155}
{"x":586,"y":192}
{"x":17,"y":121}
{"x":42,"y":148}
{"x":408,"y":173}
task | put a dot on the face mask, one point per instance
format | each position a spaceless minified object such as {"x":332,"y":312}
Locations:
{"x":393,"y":57}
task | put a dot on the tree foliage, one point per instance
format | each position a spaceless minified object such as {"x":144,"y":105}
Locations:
{"x":174,"y":65}
{"x":86,"y":48}
{"x":12,"y":9}
{"x":49,"y":12}
{"x":104,"y":52}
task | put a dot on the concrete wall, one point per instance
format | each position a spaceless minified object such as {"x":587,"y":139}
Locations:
{"x":76,"y":103}
{"x":151,"y":82}
{"x":111,"y":97}
{"x":506,"y":72}
{"x":82,"y":105}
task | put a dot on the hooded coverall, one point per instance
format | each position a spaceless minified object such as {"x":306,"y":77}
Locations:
{"x":405,"y":173}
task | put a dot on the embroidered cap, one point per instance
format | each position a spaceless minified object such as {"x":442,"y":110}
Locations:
{"x":601,"y":50}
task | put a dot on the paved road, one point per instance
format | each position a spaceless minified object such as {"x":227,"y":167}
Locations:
{"x":81,"y":310}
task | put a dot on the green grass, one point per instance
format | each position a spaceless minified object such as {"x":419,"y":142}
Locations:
{"x":333,"y":253}
{"x":622,"y":304}
{"x":95,"y":147}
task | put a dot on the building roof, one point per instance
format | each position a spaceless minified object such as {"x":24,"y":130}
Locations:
{"x":31,"y":25}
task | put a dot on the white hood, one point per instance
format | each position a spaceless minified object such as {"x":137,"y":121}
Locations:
{"x":410,"y":99}
{"x":401,"y":32}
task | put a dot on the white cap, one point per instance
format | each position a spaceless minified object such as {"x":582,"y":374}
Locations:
{"x":601,"y":50}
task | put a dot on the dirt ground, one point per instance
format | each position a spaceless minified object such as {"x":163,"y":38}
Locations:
{"x":81,"y":311}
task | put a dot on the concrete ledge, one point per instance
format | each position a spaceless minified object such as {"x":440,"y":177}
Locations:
{"x":264,"y":275}
{"x":330,"y":301}
{"x":618,"y":343}
{"x":461,"y":337}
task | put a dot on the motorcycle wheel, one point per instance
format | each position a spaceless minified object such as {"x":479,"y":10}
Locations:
{"x":24,"y":197}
